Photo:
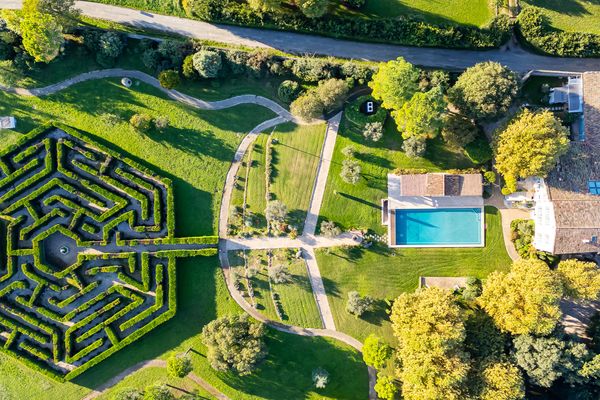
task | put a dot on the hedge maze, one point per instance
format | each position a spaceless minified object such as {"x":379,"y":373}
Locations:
{"x":90,"y":254}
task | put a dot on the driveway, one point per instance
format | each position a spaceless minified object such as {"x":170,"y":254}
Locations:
{"x":517,"y":59}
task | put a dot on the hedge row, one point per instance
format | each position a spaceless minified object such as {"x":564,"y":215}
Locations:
{"x":402,"y":30}
{"x":534,"y":28}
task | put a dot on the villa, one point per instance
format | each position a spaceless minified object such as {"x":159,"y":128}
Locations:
{"x":434,"y":210}
{"x":567,"y":203}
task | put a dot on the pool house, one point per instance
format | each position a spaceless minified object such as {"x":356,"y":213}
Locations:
{"x":434,"y":210}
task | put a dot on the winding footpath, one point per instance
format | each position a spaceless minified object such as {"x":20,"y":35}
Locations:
{"x":516,"y":58}
{"x":307,"y":242}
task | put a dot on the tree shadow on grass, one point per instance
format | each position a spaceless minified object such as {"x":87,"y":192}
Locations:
{"x":378,"y":315}
{"x":195,"y":142}
{"x":196,"y":294}
{"x":331,"y":287}
{"x":359,"y":200}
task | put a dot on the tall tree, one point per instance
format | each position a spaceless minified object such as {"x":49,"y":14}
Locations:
{"x":485,"y":91}
{"x":421,"y":116}
{"x":235,"y":343}
{"x":376,"y":352}
{"x":581,"y":279}
{"x":530,"y":146}
{"x":42,"y":36}
{"x":524,"y":300}
{"x":395,"y":83}
{"x":64,"y":11}
{"x":502,"y":381}
{"x":429,"y":326}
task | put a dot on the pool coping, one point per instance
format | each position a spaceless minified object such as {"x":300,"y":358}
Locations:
{"x":391,"y":224}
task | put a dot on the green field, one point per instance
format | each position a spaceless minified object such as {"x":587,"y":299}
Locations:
{"x":570,"y":15}
{"x":195,"y":152}
{"x":464,"y":12}
{"x":359,"y":206}
{"x":384,"y":273}
{"x":296,"y":155}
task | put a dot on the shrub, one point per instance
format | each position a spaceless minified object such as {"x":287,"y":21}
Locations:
{"x":312,"y":69}
{"x":356,"y":3}
{"x":320,"y":378}
{"x":208,"y":63}
{"x":276,"y":211}
{"x":288,"y":91}
{"x":373,"y":131}
{"x":151,"y":59}
{"x":386,"y":388}
{"x":169,"y":79}
{"x":358,"y":305}
{"x":376,"y":352}
{"x":359,"y":72}
{"x":329,"y":229}
{"x":489,"y":176}
{"x":173,"y":52}
{"x":179,"y":366}
{"x":161,"y":123}
{"x":472,"y":289}
{"x":187,"y":69}
{"x":110,"y":46}
{"x":313,"y":8}
{"x":479,"y":150}
{"x":414,"y":147}
{"x":349,"y":151}
{"x":350,"y":171}
{"x":280,"y":274}
{"x":332,"y":93}
{"x":307,"y":107}
{"x":141,"y":122}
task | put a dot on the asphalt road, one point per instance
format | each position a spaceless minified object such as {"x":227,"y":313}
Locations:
{"x":515,"y":58}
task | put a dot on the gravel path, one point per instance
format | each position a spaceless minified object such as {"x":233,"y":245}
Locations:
{"x":515,"y":57}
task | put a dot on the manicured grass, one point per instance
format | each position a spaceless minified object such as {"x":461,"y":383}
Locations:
{"x":570,"y":15}
{"x":384,"y":274}
{"x":256,"y":187}
{"x":465,"y":12}
{"x":359,"y":206}
{"x":296,"y":156}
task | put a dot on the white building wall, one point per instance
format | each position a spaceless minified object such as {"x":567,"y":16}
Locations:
{"x":545,"y":221}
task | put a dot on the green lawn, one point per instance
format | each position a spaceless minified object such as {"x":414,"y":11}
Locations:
{"x":570,"y":15}
{"x":384,"y":274}
{"x":256,"y":187}
{"x":465,"y":12}
{"x":359,"y":206}
{"x":195,"y":152}
{"x":296,"y":156}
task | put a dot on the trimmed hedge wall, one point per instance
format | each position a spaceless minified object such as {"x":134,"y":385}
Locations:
{"x":534,"y":28}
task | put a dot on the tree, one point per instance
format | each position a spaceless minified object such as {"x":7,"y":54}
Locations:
{"x":376,"y":352}
{"x":472,"y":289}
{"x":141,"y":122}
{"x":429,"y":326}
{"x":276,"y":211}
{"x":350,"y":171}
{"x":279,"y":274}
{"x":484,"y":340}
{"x":42,"y":36}
{"x":395,"y":83}
{"x":385,"y":387}
{"x":265,"y":5}
{"x":313,"y":8}
{"x":320,"y":378}
{"x":484,"y":91}
{"x":111,"y":44}
{"x":502,"y":381}
{"x":208,"y":63}
{"x":158,"y":391}
{"x":63,"y":11}
{"x":358,"y":305}
{"x":332,"y":93}
{"x":421,"y":116}
{"x":161,"y":123}
{"x":581,"y":280}
{"x":458,"y":131}
{"x":235,"y":343}
{"x":530,"y":146}
{"x":128,"y":394}
{"x":414,"y":147}
{"x":373,"y":131}
{"x":524,"y":300}
{"x":169,"y":79}
{"x":307,"y":107}
{"x":172,"y":51}
{"x":349,"y":151}
{"x":329,"y":229}
{"x":187,"y":69}
{"x":179,"y":366}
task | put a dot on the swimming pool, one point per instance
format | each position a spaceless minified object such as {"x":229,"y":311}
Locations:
{"x":443,"y":227}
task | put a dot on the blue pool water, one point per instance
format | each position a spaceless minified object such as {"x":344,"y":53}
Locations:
{"x":439,"y":227}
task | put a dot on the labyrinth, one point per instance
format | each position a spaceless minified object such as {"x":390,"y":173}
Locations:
{"x":90,"y":256}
